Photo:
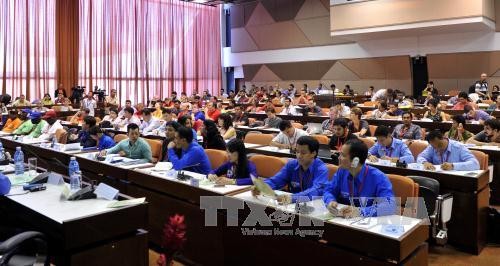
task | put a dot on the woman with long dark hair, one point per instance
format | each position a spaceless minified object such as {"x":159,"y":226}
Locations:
{"x":226,"y":128}
{"x":211,"y":136}
{"x":238,"y":170}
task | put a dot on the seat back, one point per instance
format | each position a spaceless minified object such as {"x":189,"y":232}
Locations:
{"x":372,"y":130}
{"x":332,"y":169}
{"x":267,"y":166}
{"x":297,"y":125}
{"x":322,"y":139}
{"x":368,"y":142}
{"x":119,"y":137}
{"x":278,"y":109}
{"x":405,"y":188}
{"x":452,"y":93}
{"x":216,"y":157}
{"x":369,"y":103}
{"x":156,"y":148}
{"x":61,"y":136}
{"x":416,"y":147}
{"x":262,"y":139}
{"x":482,"y":158}
{"x":428,"y":189}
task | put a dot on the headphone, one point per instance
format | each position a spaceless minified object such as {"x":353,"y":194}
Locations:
{"x":355,"y":162}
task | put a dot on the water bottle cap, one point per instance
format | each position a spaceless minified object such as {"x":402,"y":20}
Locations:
{"x":72,"y":158}
{"x":18,"y":148}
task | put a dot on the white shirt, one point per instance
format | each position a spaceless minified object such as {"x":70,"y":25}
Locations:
{"x":90,"y":104}
{"x":292,"y":141}
{"x":122,"y":112}
{"x":289,"y":111}
{"x":132,"y":120}
{"x":379,"y":95}
{"x":49,"y":131}
{"x":147,"y":127}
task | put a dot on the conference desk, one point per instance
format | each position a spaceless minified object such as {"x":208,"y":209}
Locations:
{"x":494,"y":157}
{"x":85,"y":232}
{"x":215,"y":245}
{"x":467,"y":227}
{"x":263,"y":130}
{"x":343,"y":241}
{"x":421,"y":111}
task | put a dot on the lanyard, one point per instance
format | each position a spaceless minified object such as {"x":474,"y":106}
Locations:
{"x":360,"y":185}
{"x":403,"y":131}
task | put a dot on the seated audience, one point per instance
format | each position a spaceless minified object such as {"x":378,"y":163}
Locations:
{"x":267,"y":105}
{"x":212,"y":112}
{"x":240,"y":118}
{"x":12,"y":123}
{"x":170,"y":130}
{"x":380,"y":111}
{"x":186,"y":121}
{"x":355,"y":179}
{"x":287,"y":138}
{"x":238,"y":170}
{"x":394,"y":112}
{"x":129,"y":118}
{"x":133,"y":147}
{"x":305,"y":176}
{"x":272,"y":121}
{"x":84,"y":135}
{"x":103,"y":141}
{"x":489,"y":136}
{"x":52,"y":125}
{"x":463,"y":100}
{"x":434,"y":113}
{"x":449,"y":154}
{"x":212,"y":138}
{"x":341,"y":134}
{"x":226,"y":128}
{"x":38,"y":124}
{"x":289,"y":108}
{"x":389,"y":148}
{"x":476,"y":115}
{"x":313,"y":109}
{"x":77,"y":119}
{"x":407,"y":130}
{"x":112,"y":118}
{"x":327,"y":125}
{"x":356,"y":125}
{"x":21,"y":101}
{"x":149,"y":123}
{"x":26,"y":125}
{"x":457,"y":131}
{"x":192,"y":158}
{"x":47,"y":100}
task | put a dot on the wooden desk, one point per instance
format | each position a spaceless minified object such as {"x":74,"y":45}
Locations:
{"x":494,"y":157}
{"x":341,"y":241}
{"x":260,"y":129}
{"x":443,"y":126}
{"x":467,"y":227}
{"x":82,"y":232}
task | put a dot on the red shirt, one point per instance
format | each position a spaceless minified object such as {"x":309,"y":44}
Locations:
{"x":214,"y":115}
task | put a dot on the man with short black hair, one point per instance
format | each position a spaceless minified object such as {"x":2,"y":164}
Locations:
{"x":133,"y":147}
{"x":389,"y":148}
{"x":341,"y":134}
{"x":289,"y":108}
{"x":192,"y":158}
{"x":128,"y":103}
{"x":364,"y":189}
{"x":149,"y":123}
{"x":240,"y":118}
{"x":450,"y":154}
{"x":288,"y":137}
{"x":130,"y":118}
{"x":407,"y":130}
{"x":84,"y":136}
{"x":476,"y":115}
{"x":305,"y":176}
{"x":489,"y":136}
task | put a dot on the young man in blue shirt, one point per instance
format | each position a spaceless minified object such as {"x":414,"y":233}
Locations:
{"x":305,"y":176}
{"x":389,"y":148}
{"x":450,"y":154}
{"x":353,"y":180}
{"x":104,"y":141}
{"x":193,"y":157}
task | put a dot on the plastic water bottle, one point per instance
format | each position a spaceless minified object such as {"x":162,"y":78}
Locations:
{"x":19,"y":161}
{"x":75,"y":180}
{"x":2,"y":154}
{"x":73,"y":166}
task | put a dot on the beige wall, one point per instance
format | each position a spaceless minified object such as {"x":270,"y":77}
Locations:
{"x":396,"y":12}
{"x":460,"y":70}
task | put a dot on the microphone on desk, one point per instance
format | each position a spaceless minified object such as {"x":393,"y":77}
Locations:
{"x":83,"y":193}
{"x":180,"y":173}
{"x":42,"y":177}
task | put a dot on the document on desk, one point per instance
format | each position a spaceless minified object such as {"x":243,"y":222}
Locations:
{"x":16,"y":180}
{"x":125,"y":203}
{"x":162,"y":166}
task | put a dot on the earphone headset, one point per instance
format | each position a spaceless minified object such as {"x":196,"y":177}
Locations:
{"x":355,"y":162}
